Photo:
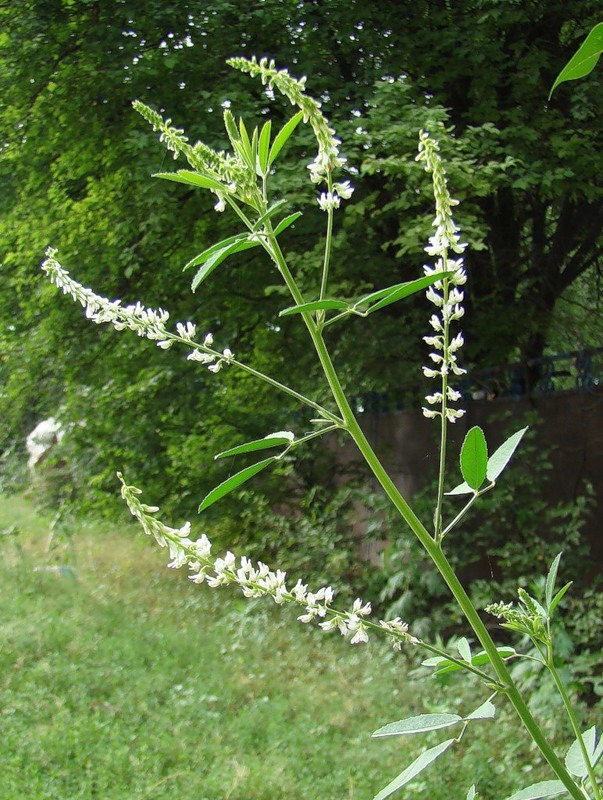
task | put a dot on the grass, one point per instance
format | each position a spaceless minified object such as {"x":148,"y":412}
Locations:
{"x":124,"y":680}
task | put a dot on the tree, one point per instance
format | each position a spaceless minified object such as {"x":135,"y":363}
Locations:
{"x":75,"y":172}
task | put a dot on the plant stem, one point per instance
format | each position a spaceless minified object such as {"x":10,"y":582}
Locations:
{"x":327,"y":256}
{"x":266,"y":378}
{"x":438,"y":520}
{"x":464,"y":510}
{"x":573,"y":721}
{"x":434,"y":550}
{"x":287,"y":390}
{"x":432,"y":546}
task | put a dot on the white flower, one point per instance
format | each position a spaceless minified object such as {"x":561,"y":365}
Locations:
{"x":435,"y":398}
{"x":344,"y":190}
{"x":328,"y":201}
{"x":204,"y":358}
{"x":187,"y":331}
{"x":360,"y":608}
{"x":456,"y":343}
{"x":361,"y":635}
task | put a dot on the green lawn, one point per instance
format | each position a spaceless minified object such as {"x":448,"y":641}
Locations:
{"x":124,"y":680}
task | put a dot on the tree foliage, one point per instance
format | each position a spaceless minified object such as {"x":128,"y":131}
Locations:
{"x":75,"y":170}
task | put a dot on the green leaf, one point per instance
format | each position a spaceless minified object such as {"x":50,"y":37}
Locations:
{"x":217,"y":258}
{"x":539,"y":790}
{"x":462,"y":488}
{"x":471,"y":795}
{"x":273,"y":440}
{"x":214,"y":249}
{"x":598,"y":751}
{"x":417,"y":766}
{"x":550,"y":580}
{"x":239,"y":148}
{"x":574,"y":760}
{"x":235,"y":480}
{"x":584,"y":59}
{"x":501,"y":457}
{"x":193,"y":179}
{"x":397,"y":292}
{"x":284,"y":223}
{"x":282,"y":136}
{"x":420,"y":724}
{"x":247,"y":151}
{"x":444,"y":665}
{"x":487,"y":710}
{"x":314,"y":305}
{"x":474,"y":458}
{"x":231,"y":128}
{"x":254,"y":149}
{"x":465,"y":651}
{"x":558,"y":597}
{"x":268,"y":214}
{"x":264,"y":148}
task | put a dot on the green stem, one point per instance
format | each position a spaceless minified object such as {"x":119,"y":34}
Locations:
{"x":573,"y":721}
{"x":266,"y":378}
{"x":438,"y":517}
{"x":435,"y":552}
{"x":464,"y":510}
{"x":328,"y":239}
{"x":287,"y":390}
{"x":432,"y":547}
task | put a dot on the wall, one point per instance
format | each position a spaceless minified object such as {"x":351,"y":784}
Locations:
{"x":572,"y":426}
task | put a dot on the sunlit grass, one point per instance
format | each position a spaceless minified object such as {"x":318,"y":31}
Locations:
{"x":121,"y":679}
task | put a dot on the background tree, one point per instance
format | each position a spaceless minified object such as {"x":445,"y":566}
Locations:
{"x":75,"y":170}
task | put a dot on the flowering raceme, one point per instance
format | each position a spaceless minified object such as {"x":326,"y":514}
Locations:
{"x":146,"y":322}
{"x":257,"y":580}
{"x":444,"y":294}
{"x":328,"y":158}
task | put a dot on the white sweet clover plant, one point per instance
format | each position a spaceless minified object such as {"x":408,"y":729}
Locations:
{"x":240,"y":181}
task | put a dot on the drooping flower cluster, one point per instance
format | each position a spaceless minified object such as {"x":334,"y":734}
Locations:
{"x":444,"y":294}
{"x":257,"y":580}
{"x":147,"y":322}
{"x":328,"y":158}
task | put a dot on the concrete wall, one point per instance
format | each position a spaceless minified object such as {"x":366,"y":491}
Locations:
{"x":572,"y":427}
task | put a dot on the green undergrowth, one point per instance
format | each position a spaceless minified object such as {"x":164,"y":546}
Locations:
{"x":121,"y":679}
